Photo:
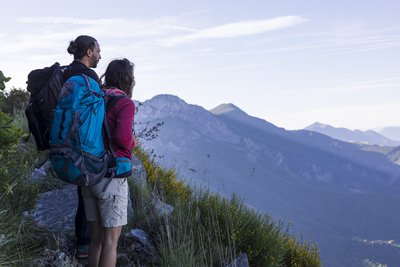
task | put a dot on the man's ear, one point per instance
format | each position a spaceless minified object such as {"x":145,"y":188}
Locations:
{"x":89,"y":52}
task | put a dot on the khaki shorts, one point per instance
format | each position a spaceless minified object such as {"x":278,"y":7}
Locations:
{"x":107,"y":202}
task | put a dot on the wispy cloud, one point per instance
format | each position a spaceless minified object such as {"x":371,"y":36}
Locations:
{"x":347,"y":44}
{"x":379,"y":84}
{"x":238,"y":29}
{"x":147,"y":33}
{"x":118,"y":34}
{"x":240,"y":67}
{"x":330,"y":42}
{"x":60,"y":20}
{"x":376,"y":85}
{"x":116,"y":27}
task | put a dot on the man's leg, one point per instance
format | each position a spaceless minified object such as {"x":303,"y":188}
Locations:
{"x":82,"y":231}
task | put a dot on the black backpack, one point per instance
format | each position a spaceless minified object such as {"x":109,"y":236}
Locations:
{"x":45,"y":87}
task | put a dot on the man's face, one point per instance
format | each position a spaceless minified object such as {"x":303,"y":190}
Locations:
{"x":94,"y":55}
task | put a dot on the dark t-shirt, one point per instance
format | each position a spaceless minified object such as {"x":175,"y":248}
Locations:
{"x":77,"y":67}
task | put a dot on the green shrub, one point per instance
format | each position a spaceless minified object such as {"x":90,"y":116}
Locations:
{"x":299,"y":255}
{"x":9,"y":134}
{"x":163,"y":181}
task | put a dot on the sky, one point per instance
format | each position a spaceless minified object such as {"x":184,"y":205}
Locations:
{"x":291,"y":63}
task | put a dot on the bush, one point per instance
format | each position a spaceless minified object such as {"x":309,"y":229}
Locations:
{"x":301,"y":254}
{"x":15,"y":100}
{"x":163,"y":181}
{"x":9,"y":134}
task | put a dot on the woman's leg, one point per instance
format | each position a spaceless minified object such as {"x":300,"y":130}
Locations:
{"x":96,"y":244}
{"x":108,"y":255}
{"x":112,"y":208}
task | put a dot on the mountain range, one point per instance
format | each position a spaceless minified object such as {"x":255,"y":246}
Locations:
{"x":333,"y":193}
{"x":392,"y":132}
{"x":363,"y":137}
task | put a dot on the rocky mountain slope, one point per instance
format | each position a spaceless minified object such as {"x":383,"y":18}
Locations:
{"x":332,"y":192}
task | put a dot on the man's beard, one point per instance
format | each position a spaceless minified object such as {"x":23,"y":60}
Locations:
{"x":94,"y":63}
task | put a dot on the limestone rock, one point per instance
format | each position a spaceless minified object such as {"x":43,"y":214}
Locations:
{"x":41,"y":172}
{"x":142,"y":247}
{"x":161,"y":208}
{"x":55,"y":210}
{"x":52,"y":258}
{"x":240,"y":261}
{"x":139,"y":172}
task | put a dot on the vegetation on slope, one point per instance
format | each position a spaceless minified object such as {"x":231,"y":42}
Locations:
{"x":19,"y":237}
{"x":204,"y":229}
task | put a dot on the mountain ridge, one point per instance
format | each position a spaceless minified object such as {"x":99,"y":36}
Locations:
{"x":322,"y":185}
{"x":392,"y":132}
{"x":356,"y":136}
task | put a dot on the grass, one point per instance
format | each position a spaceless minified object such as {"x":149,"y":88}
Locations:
{"x":20,"y":239}
{"x":205,"y":229}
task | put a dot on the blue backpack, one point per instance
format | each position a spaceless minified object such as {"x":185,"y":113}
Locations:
{"x":77,"y":152}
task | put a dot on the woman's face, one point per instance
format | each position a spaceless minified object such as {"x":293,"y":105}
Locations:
{"x":131,"y":88}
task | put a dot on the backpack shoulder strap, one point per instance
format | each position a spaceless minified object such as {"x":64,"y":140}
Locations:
{"x":110,"y":103}
{"x":85,"y":77}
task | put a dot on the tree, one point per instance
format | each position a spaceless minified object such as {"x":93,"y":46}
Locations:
{"x":3,"y":80}
{"x":16,"y":99}
{"x":9,"y":134}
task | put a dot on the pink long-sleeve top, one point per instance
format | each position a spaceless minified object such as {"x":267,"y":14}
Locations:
{"x":120,"y":120}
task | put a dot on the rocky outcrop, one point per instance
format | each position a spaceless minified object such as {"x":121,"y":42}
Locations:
{"x":55,"y":210}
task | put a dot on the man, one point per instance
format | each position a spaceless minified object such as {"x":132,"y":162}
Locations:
{"x":86,"y":51}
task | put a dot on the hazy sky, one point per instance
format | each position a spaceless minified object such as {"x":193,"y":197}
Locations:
{"x":289,"y":62}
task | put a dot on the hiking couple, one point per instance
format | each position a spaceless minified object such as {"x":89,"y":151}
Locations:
{"x":102,"y":208}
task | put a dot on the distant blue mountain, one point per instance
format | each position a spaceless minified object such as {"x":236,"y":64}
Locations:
{"x":363,"y":137}
{"x":334,"y":193}
{"x":391,"y":132}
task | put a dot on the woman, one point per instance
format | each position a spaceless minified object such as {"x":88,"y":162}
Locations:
{"x":106,"y":203}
